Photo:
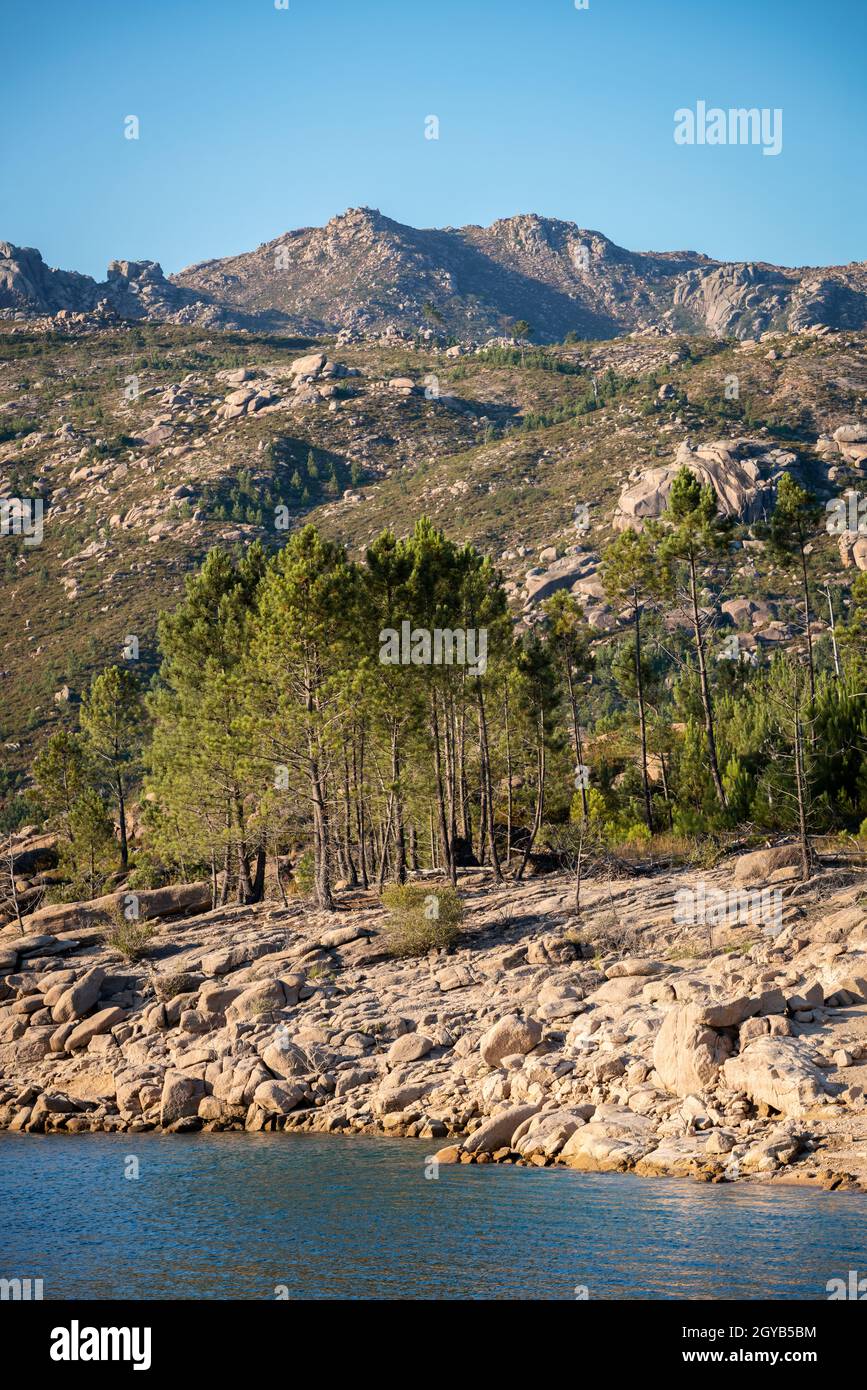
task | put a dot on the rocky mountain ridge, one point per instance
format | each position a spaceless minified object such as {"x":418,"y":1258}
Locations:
{"x":366,"y":275}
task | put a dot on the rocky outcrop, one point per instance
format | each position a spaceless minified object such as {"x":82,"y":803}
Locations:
{"x":742,"y":472}
{"x":56,"y":918}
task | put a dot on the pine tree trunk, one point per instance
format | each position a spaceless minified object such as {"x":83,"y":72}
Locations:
{"x":399,"y":834}
{"x":351,"y":873}
{"x":808,"y":616}
{"x":259,"y":876}
{"x":576,"y":732}
{"x":540,"y":796}
{"x":445,"y":844}
{"x":358,"y":781}
{"x":800,"y":782}
{"x":648,"y":805}
{"x":121,"y":816}
{"x":488,"y":794}
{"x":705,"y":687}
{"x":508,"y":780}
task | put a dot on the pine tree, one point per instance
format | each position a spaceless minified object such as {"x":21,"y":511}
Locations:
{"x":112,"y":720}
{"x":696,"y":535}
{"x":630,"y":575}
{"x":792,"y":527}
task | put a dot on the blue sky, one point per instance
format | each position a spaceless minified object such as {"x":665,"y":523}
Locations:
{"x":255,"y":120}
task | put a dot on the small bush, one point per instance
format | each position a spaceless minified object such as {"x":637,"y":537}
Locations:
{"x":606,"y":937}
{"x":421,"y":918}
{"x":129,"y":938}
{"x":304,"y":876}
{"x":170,"y":986}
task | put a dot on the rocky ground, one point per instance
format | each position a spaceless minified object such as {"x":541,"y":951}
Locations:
{"x":621,"y":1040}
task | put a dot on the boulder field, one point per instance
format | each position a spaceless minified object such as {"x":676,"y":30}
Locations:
{"x":620,"y":1039}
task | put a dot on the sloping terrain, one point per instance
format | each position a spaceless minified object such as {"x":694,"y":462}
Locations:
{"x":149,"y":444}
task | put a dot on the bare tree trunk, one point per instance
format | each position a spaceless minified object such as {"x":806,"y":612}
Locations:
{"x":508,"y":780}
{"x":808,"y":617}
{"x":576,"y":731}
{"x":705,"y":687}
{"x":383,"y":861}
{"x":227,"y":864}
{"x":121,"y":816}
{"x":487,"y":787}
{"x":665,"y":790}
{"x":13,"y":887}
{"x":642,"y":722}
{"x":540,"y":796}
{"x":358,"y":780}
{"x":399,"y":835}
{"x":447,"y":855}
{"x":833,"y":626}
{"x":800,"y":783}
{"x":351,"y":873}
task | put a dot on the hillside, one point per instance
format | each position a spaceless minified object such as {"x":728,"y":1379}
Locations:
{"x":149,"y":444}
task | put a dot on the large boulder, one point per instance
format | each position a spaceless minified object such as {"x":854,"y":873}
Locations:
{"x":306,"y":367}
{"x":778,"y":1072}
{"x":544,"y":1135}
{"x":687,"y":1053}
{"x":752,"y":870}
{"x":278,"y":1097}
{"x":614,"y":1140}
{"x":80,"y":998}
{"x":181,"y":1096}
{"x":261,"y":1000}
{"x":396,"y":1094}
{"x":509,"y":1036}
{"x":285,"y":1059}
{"x":101,"y":1022}
{"x":411,"y":1047}
{"x":496,"y":1133}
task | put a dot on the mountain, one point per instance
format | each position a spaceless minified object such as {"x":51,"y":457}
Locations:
{"x":365,"y":275}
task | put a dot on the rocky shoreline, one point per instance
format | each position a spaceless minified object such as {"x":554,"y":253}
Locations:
{"x":621,"y":1041}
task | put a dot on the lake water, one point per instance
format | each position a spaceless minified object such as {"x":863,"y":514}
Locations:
{"x":241,"y":1215}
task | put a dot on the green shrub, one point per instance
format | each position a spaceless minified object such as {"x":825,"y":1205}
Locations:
{"x":303,"y":877}
{"x":129,"y":938}
{"x":422,"y":918}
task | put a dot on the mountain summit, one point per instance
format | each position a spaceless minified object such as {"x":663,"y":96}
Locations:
{"x":365,"y":273}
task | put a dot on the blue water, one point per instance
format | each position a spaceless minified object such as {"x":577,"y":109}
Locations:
{"x":238,"y":1215}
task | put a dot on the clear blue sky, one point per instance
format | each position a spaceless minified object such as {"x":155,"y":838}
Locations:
{"x":256,"y":120}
